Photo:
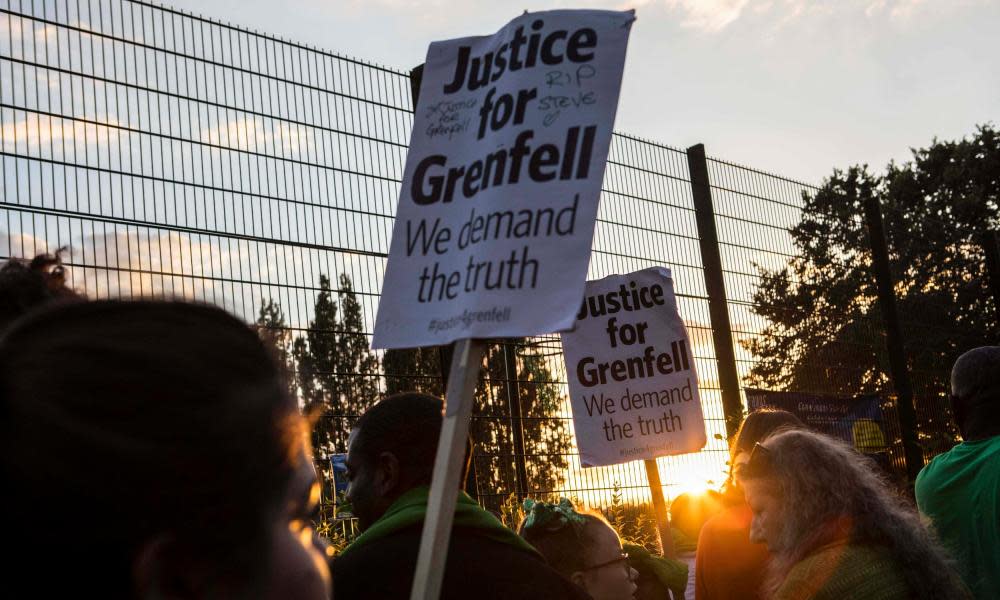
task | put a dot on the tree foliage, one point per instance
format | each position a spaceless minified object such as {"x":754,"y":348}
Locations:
{"x":333,"y":372}
{"x":824,"y":330}
{"x":514,"y":371}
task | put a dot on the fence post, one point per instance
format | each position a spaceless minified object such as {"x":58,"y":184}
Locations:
{"x":718,"y":309}
{"x":516,"y":423}
{"x":991,"y":248}
{"x":912,"y":452}
{"x":416,"y":78}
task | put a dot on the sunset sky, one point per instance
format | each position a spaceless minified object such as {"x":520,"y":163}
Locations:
{"x":794,"y":87}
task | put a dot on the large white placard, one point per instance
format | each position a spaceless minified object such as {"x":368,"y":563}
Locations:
{"x":632,"y":379}
{"x":499,"y":195}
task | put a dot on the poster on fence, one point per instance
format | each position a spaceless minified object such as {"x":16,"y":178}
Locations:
{"x":338,"y":466}
{"x":500,"y":189}
{"x":632,"y":381}
{"x":857,"y":420}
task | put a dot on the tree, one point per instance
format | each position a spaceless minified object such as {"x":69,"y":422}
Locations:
{"x":315,"y":356}
{"x":273,"y":330}
{"x":337,"y":373}
{"x":355,"y":366}
{"x":824,"y":322}
{"x":413,"y":370}
{"x":515,"y":371}
{"x":519,"y":372}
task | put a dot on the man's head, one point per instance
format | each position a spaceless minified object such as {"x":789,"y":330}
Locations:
{"x":390,"y":451}
{"x":975,"y":392}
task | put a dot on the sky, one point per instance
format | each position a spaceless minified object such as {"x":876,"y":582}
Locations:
{"x":792,"y":87}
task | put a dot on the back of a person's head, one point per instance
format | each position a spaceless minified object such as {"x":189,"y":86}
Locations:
{"x":406,"y":425}
{"x":124,"y":421}
{"x":756,"y":427}
{"x":760,"y":424}
{"x":975,"y":390}
{"x":690,"y":511}
{"x":26,"y":285}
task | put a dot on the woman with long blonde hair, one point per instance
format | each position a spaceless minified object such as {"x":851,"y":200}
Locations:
{"x":835,"y":528}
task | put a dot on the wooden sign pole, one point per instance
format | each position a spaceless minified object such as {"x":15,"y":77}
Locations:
{"x":466,"y":361}
{"x":660,"y":508}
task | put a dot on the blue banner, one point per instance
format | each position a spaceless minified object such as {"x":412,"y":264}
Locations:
{"x":857,"y":420}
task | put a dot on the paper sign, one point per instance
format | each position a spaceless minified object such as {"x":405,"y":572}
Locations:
{"x":632,"y":379}
{"x":500,"y":190}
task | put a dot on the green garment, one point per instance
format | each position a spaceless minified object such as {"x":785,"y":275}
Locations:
{"x":960,"y":492}
{"x":410,"y":508}
{"x":671,"y":574}
{"x":840,"y":571}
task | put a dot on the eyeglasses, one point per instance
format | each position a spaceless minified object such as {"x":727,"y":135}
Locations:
{"x":760,"y":456}
{"x":621,"y":559}
{"x":759,"y":452}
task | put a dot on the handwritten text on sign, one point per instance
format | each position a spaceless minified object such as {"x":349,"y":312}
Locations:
{"x":499,"y":195}
{"x":632,"y":381}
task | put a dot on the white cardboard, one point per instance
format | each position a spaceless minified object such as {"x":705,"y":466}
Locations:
{"x":632,"y":378}
{"x":503,"y":254}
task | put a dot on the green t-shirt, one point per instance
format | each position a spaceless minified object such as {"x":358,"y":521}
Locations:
{"x":960,"y":492}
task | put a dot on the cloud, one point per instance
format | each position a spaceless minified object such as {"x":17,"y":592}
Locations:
{"x":714,"y":16}
{"x":710,"y":16}
{"x":895,"y":9}
{"x":20,"y":244}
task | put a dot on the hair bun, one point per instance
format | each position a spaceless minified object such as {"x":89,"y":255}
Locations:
{"x":546,"y":516}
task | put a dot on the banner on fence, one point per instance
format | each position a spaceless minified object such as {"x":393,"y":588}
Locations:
{"x":857,"y":420}
{"x":632,"y":380}
{"x":499,"y":195}
{"x":338,"y":466}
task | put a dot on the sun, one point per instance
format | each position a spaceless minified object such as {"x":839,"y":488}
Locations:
{"x":693,"y":479}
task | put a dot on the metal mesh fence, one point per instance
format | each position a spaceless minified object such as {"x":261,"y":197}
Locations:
{"x":756,"y":212}
{"x":175,"y":155}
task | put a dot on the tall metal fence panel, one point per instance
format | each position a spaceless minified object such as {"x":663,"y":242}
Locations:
{"x":175,"y":155}
{"x":755,"y":212}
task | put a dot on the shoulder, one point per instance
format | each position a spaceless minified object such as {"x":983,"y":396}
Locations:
{"x":477,"y":567}
{"x":963,"y":465}
{"x":846,"y":571}
{"x":498,"y":571}
{"x":724,"y":530}
{"x":927,"y":478}
{"x":382,"y":568}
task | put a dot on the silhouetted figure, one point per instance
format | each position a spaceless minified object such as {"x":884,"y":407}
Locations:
{"x":728,"y":566}
{"x":150,"y":450}
{"x":960,"y":489}
{"x":390,"y":461}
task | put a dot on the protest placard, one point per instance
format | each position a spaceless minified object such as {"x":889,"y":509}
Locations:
{"x":632,"y":380}
{"x":501,"y":184}
{"x":497,"y":209}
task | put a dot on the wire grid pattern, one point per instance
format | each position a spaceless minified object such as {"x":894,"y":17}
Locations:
{"x":176,"y":155}
{"x":754,"y":213}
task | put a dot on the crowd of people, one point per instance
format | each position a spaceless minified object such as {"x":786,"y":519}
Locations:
{"x":152,"y":450}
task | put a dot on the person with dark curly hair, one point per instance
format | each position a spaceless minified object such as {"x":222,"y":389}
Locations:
{"x":29,"y":284}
